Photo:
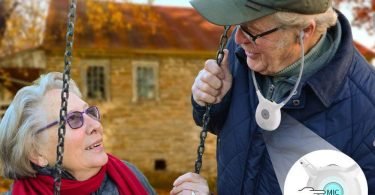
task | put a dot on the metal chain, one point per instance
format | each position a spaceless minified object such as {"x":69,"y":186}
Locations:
{"x":206,"y":116}
{"x":64,"y":95}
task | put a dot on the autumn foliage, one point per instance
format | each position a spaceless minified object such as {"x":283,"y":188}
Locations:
{"x":23,"y":24}
{"x":363,"y":12}
{"x":4,"y":184}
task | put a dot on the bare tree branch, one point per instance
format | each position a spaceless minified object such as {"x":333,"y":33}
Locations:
{"x":4,"y":16}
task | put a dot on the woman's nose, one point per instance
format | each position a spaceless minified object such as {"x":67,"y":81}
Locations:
{"x":92,"y":124}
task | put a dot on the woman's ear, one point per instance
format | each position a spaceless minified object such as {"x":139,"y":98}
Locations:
{"x":38,"y":159}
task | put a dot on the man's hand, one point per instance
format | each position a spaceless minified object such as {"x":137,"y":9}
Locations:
{"x":212,"y":82}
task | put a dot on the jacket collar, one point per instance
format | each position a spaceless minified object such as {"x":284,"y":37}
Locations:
{"x":327,"y":82}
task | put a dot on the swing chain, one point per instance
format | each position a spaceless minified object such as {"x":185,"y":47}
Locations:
{"x":223,"y":43}
{"x":64,"y":96}
{"x":206,"y":116}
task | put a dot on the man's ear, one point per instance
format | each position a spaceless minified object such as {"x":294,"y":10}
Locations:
{"x":309,"y":30}
{"x":38,"y":159}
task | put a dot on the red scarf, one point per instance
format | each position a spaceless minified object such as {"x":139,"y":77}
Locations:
{"x":124,"y":178}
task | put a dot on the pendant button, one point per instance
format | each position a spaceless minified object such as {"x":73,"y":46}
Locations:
{"x":265,"y":114}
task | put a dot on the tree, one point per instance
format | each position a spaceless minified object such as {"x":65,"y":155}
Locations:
{"x":363,"y":13}
{"x":26,"y":24}
{"x":21,"y":24}
{"x":6,"y":9}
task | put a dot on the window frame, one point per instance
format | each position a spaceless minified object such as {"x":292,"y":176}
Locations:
{"x":86,"y":64}
{"x":146,"y":64}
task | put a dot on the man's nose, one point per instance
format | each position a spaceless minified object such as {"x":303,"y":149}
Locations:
{"x":240,"y":37}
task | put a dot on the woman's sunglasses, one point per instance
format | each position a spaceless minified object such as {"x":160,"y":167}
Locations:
{"x":75,"y":119}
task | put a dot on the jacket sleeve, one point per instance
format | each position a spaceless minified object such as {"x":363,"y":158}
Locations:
{"x":219,"y":111}
{"x":364,"y":155}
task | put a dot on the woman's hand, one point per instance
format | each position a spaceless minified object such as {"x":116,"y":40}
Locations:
{"x":190,"y":184}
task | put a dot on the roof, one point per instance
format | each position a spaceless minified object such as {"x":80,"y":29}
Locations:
{"x":137,"y":27}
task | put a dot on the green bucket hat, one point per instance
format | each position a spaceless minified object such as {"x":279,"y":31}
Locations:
{"x":230,"y":12}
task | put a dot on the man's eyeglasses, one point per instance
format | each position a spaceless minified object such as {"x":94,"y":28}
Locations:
{"x":253,"y":38}
{"x":75,"y":119}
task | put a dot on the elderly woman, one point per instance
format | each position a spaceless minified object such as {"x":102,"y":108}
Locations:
{"x":28,"y":140}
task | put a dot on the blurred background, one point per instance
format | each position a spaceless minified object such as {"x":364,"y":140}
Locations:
{"x":135,"y":60}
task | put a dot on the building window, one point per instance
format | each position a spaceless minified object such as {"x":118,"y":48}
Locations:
{"x":96,"y":83}
{"x":160,"y":165}
{"x":145,"y":81}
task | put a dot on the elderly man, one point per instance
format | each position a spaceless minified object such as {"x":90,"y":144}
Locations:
{"x":294,"y":57}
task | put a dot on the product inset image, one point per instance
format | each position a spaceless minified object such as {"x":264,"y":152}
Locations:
{"x":333,"y":179}
{"x":325,"y":172}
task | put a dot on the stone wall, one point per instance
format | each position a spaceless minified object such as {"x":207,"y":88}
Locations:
{"x":142,"y":132}
{"x":26,"y":59}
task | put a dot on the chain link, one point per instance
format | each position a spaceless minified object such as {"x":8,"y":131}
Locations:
{"x":206,"y":116}
{"x":64,"y":95}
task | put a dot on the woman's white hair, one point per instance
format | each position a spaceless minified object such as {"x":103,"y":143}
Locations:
{"x":323,"y":21}
{"x":20,"y":122}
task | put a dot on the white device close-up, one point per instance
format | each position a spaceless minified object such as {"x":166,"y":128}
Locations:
{"x":268,"y":113}
{"x":334,"y":179}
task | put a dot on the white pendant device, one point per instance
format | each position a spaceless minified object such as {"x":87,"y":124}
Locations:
{"x":268,"y":113}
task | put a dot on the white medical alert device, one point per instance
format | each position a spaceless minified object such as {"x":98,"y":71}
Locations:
{"x":333,"y":179}
{"x":268,"y":113}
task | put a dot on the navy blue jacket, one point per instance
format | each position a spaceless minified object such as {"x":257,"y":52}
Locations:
{"x":337,"y":103}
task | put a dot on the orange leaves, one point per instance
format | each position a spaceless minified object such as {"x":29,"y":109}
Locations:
{"x":96,"y":14}
{"x":5,"y":77}
{"x":362,"y":14}
{"x":24,"y":27}
{"x":98,"y":23}
{"x":363,"y":11}
{"x":111,"y":16}
{"x":116,"y":21}
{"x":363,"y":19}
{"x":4,"y":185}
